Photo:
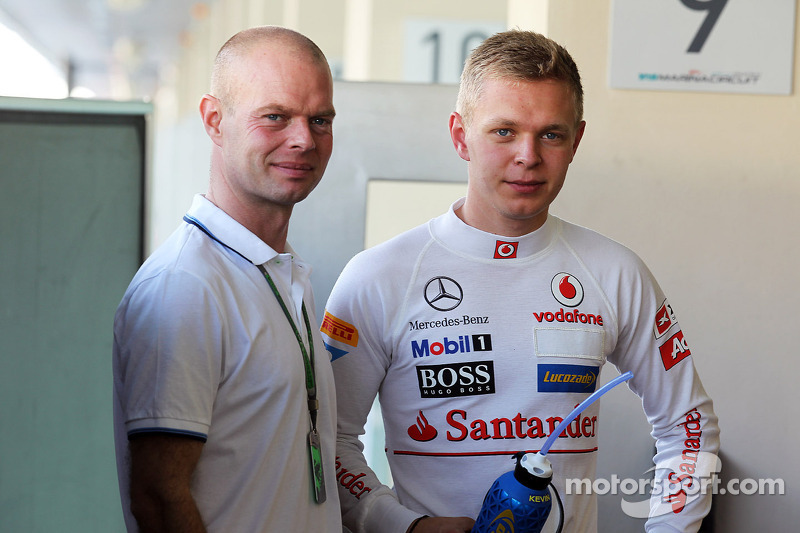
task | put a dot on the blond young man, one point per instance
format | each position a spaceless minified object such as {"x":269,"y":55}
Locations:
{"x":483,"y":328}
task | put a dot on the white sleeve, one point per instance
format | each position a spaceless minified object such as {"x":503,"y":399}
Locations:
{"x":652,"y":345}
{"x":354,"y":329}
{"x":168,"y":354}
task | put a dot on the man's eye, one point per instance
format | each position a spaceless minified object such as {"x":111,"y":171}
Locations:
{"x":320,"y":121}
{"x":552,"y":136}
{"x":502,"y":132}
{"x":272,"y":116}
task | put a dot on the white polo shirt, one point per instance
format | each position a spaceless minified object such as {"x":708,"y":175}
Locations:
{"x":202,"y":348}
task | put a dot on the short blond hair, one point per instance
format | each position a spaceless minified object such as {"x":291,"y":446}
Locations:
{"x":519,"y":56}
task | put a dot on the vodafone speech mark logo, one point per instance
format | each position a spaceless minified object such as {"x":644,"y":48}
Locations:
{"x":505,"y":250}
{"x":567,"y":290}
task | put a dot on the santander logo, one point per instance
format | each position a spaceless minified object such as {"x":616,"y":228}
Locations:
{"x":422,"y":431}
{"x":567,"y":290}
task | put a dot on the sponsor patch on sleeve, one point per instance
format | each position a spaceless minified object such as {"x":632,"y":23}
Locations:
{"x":674,"y":350}
{"x":335,"y":352}
{"x":665,"y":319}
{"x":567,"y":378}
{"x":339,"y":330}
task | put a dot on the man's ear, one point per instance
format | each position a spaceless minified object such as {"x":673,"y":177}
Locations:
{"x":458,"y":134}
{"x":578,"y":136}
{"x":211,"y":114}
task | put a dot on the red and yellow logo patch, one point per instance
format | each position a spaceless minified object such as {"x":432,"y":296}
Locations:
{"x":339,"y":330}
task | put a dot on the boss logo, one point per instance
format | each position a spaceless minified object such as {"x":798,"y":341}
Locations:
{"x":454,"y":380}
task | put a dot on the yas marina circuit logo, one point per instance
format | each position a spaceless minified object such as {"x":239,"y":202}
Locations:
{"x":700,"y":77}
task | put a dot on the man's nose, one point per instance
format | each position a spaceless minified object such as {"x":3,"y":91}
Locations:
{"x":300,"y":135}
{"x":528,"y":153}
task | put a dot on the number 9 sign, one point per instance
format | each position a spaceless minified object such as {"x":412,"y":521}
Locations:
{"x":714,"y":8}
{"x":736,"y":46}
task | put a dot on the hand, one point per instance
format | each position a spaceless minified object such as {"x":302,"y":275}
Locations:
{"x":444,"y":524}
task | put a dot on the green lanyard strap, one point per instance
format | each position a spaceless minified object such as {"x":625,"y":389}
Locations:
{"x":314,"y":446}
{"x":308,"y":362}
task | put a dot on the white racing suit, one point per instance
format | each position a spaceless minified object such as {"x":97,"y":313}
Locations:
{"x":479,"y":345}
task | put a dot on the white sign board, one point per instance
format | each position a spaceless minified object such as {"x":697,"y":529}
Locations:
{"x":732,"y":46}
{"x":435,"y":50}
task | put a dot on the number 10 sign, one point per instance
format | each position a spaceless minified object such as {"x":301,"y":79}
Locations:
{"x":732,"y":46}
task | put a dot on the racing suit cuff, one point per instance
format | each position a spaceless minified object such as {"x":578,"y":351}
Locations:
{"x":661,"y":528}
{"x":386,"y":514}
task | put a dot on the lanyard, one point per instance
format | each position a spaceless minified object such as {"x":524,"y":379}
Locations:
{"x":308,"y":360}
{"x":314,"y":446}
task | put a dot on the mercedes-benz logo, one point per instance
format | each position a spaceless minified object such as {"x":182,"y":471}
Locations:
{"x":443,"y":293}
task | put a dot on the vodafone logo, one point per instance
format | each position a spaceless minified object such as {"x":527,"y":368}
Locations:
{"x":567,"y":290}
{"x":505,"y":250}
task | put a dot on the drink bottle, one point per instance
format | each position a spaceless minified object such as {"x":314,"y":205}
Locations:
{"x":519,"y":501}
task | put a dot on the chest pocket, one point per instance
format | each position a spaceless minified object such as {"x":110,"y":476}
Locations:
{"x":570,"y":343}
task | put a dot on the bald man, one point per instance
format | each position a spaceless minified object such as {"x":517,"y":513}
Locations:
{"x":224,"y":408}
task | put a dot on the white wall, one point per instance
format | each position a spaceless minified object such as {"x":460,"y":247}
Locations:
{"x":704,"y":187}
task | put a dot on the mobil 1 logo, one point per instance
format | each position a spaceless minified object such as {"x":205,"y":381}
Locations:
{"x":456,"y":379}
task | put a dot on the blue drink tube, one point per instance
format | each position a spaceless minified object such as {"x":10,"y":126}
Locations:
{"x":520,"y":500}
{"x":581,"y":406}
